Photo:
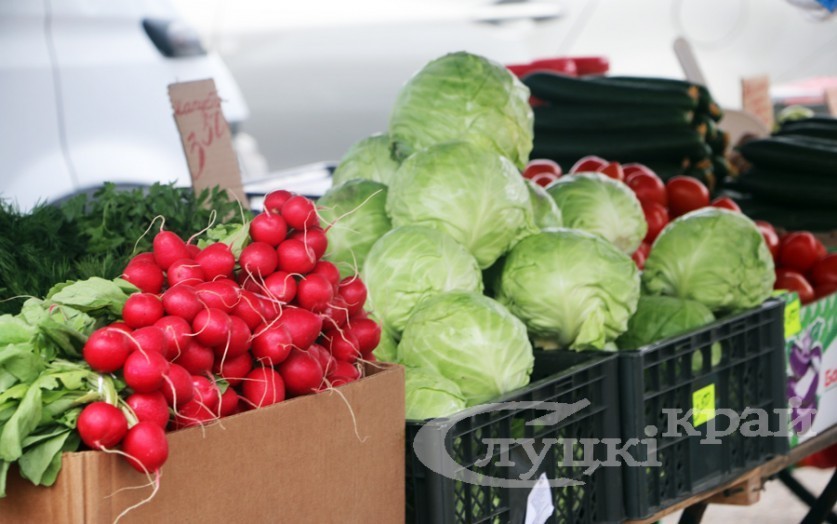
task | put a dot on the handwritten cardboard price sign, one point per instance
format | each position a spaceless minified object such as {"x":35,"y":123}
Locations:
{"x":206,"y":138}
{"x":755,"y":98}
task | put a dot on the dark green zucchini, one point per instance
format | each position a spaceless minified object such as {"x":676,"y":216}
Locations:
{"x":705,"y":103}
{"x":621,"y":146}
{"x":552,"y":87}
{"x":790,"y":187}
{"x":811,"y":129}
{"x":719,"y":143}
{"x":596,"y":117}
{"x":794,"y":154}
{"x":711,"y":128}
{"x":790,"y":217}
{"x":722,"y":167}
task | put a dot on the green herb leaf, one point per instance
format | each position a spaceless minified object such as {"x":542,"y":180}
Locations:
{"x":92,"y":295}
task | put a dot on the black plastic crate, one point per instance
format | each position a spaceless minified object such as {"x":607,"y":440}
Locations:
{"x":561,"y":377}
{"x":679,"y":373}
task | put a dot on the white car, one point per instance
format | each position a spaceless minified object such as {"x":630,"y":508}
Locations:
{"x":320,"y":75}
{"x":83,"y":95}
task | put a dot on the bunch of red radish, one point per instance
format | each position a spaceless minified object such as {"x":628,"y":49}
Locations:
{"x":661,"y":201}
{"x":209,"y":335}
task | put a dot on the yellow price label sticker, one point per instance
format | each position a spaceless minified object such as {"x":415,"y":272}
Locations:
{"x":703,"y":405}
{"x":793,"y":321}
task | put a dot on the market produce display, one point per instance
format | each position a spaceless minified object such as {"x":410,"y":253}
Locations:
{"x":250,"y":315}
{"x":667,"y":124}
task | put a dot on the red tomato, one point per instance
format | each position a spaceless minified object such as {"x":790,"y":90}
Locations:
{"x":639,"y":258}
{"x":685,"y":194}
{"x":541,"y":165}
{"x":646,"y":186}
{"x":634,"y":167}
{"x":657,"y":217}
{"x":793,"y":281}
{"x":824,"y":272}
{"x":614,"y":171}
{"x":641,"y":254}
{"x":589,"y":163}
{"x":726,"y":203}
{"x":825,"y":290}
{"x":800,"y":250}
{"x":544,"y":179}
{"x":770,"y":237}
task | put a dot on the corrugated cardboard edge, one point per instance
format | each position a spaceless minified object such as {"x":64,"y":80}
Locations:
{"x":87,"y":490}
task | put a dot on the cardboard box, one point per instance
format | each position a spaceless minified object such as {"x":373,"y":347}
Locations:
{"x":297,"y":461}
{"x":811,"y":332}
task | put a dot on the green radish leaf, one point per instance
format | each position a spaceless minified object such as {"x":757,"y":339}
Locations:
{"x":92,"y":295}
{"x":4,"y":472}
{"x":21,"y":361}
{"x":41,"y":458}
{"x":24,"y":420}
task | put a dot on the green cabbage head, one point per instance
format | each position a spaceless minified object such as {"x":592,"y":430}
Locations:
{"x":471,"y":340}
{"x":369,"y":159}
{"x":571,"y":287}
{"x":462,"y":96}
{"x":411,"y":263}
{"x":430,"y":395}
{"x":659,"y":317}
{"x":475,"y":195}
{"x":545,"y":209}
{"x":354,"y":213}
{"x":600,"y":205}
{"x":714,"y":256}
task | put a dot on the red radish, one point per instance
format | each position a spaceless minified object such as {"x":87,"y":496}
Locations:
{"x":258,"y":259}
{"x":185,"y":271}
{"x":269,"y":308}
{"x":327,"y":362}
{"x":634,"y":167}
{"x":120,"y":326}
{"x":176,"y":333}
{"x":368,"y":334}
{"x":614,"y":171}
{"x":314,"y":293}
{"x":207,"y":394}
{"x":101,"y":425}
{"x":238,"y":342}
{"x":196,"y":358}
{"x":295,"y":257}
{"x":229,"y":402}
{"x":301,"y":372}
{"x":281,"y":286}
{"x":142,"y":309}
{"x":329,"y":271}
{"x":314,"y":238}
{"x":263,"y":387}
{"x":216,"y":260}
{"x":177,"y":388}
{"x":234,"y":369}
{"x":145,"y":372}
{"x":343,"y":373}
{"x":106,"y":350}
{"x":274,"y":200}
{"x":336,"y":315}
{"x":143,"y":258}
{"x":303,"y":326}
{"x":353,"y":291}
{"x":146,"y":447}
{"x":248,"y":309}
{"x":168,"y":247}
{"x":150,"y":339}
{"x":300,"y":213}
{"x":221,"y":294}
{"x":182,"y":301}
{"x":150,"y":407}
{"x":269,"y":228}
{"x":193,"y":413}
{"x":589,"y":163}
{"x":272,"y":344}
{"x":193,"y":250}
{"x":148,"y":277}
{"x":343,"y":345}
{"x":211,"y":327}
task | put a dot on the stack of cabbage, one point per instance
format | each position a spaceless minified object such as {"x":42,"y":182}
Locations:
{"x":464,"y":261}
